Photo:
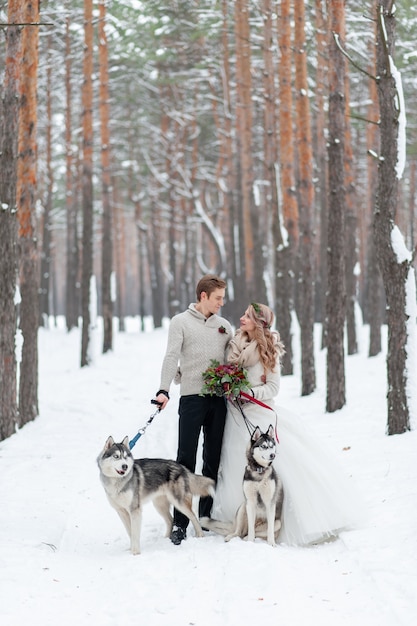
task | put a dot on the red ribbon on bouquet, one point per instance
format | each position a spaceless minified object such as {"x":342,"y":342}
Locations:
{"x":246,"y":396}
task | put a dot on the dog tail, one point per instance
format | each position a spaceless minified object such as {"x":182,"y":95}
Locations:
{"x":221,"y":528}
{"x":201,"y":485}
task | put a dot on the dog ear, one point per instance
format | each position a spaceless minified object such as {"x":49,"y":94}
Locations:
{"x":271,"y":432}
{"x":125,"y":442}
{"x":256,"y":434}
{"x":109,"y":443}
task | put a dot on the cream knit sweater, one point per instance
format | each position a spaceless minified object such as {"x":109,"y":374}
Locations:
{"x":193,"y":340}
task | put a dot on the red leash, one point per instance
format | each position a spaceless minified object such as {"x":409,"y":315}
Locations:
{"x":246,"y":396}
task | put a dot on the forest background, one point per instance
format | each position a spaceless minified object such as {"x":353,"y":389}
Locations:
{"x":158,"y":141}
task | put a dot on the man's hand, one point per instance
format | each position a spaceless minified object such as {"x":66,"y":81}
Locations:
{"x":162,"y":398}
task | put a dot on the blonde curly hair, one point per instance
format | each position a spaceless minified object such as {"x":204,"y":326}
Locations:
{"x":269,"y":342}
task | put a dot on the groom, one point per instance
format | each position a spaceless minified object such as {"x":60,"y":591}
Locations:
{"x":195,"y":337}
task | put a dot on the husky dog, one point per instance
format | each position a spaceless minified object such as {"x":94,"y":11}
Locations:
{"x":260,"y":514}
{"x":129,"y":483}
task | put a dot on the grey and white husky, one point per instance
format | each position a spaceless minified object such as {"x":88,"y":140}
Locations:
{"x":129,"y":483}
{"x":260,"y":513}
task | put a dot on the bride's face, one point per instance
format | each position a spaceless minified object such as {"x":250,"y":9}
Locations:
{"x":247,"y":324}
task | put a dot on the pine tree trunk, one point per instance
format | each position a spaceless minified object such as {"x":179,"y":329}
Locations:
{"x":26,"y":202}
{"x":249,"y":238}
{"x":336,"y":293}
{"x":321,"y":163}
{"x":395,"y":271}
{"x":374,"y":305}
{"x":87,"y":181}
{"x":285,"y":248}
{"x":46,"y":265}
{"x":119,"y":255}
{"x":8,"y":224}
{"x":157,"y":281}
{"x":107,"y":244}
{"x":72,"y":244}
{"x":306,"y":269}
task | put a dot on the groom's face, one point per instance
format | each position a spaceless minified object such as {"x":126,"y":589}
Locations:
{"x":213,"y":303}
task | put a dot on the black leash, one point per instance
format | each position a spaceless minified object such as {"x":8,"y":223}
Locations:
{"x":238,"y":402}
{"x":140,"y":432}
{"x":251,"y":427}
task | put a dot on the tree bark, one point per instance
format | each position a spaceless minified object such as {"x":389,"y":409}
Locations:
{"x":9,"y":109}
{"x":251,"y":246}
{"x":106,"y":244}
{"x":26,"y":202}
{"x":72,"y":244}
{"x":306,"y":270}
{"x":87,"y":182}
{"x":336,"y":293}
{"x":46,"y":253}
{"x":321,"y":172}
{"x":351,"y":221}
{"x":374,"y":303}
{"x":395,"y":271}
{"x":285,"y":243}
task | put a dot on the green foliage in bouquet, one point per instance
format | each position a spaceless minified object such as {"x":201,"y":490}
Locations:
{"x":224,"y":380}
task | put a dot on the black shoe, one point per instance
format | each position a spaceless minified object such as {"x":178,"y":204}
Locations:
{"x":178,"y":534}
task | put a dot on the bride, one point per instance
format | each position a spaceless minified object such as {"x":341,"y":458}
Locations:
{"x":319,"y":500}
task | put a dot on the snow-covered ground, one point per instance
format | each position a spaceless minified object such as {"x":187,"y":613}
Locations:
{"x":64,"y":554}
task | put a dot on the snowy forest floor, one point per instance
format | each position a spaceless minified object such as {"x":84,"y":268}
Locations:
{"x":64,"y":555}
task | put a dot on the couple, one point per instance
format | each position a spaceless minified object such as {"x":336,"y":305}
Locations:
{"x":318,"y":499}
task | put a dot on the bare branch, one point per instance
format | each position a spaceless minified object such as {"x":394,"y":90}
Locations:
{"x":343,"y":51}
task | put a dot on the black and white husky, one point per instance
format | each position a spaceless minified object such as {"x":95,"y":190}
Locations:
{"x":260,"y":514}
{"x":129,"y":483}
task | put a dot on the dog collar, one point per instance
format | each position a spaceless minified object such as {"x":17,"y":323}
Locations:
{"x":259,"y":469}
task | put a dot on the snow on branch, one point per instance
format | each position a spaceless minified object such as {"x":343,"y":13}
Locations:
{"x":399,"y":104}
{"x":402,"y":122}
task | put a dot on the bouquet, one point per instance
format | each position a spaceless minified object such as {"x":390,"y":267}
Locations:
{"x":224,"y":380}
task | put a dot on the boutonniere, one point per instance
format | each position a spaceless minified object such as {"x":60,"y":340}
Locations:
{"x":222,"y":330}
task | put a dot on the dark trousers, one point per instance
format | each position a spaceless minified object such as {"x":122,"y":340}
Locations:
{"x":196,"y":413}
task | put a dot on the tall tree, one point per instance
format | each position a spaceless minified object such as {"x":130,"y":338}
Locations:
{"x":46,"y":252}
{"x":26,"y":203}
{"x":285,"y":240}
{"x":305,"y":274}
{"x":336,"y":292}
{"x":320,"y":158}
{"x":72,"y":248}
{"x":351,"y":221}
{"x":393,"y":258}
{"x":9,"y":113}
{"x":374,"y":289}
{"x":87,"y":181}
{"x":244,"y":145}
{"x":106,"y":245}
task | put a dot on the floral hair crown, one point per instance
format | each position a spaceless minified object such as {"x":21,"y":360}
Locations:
{"x":258,"y":312}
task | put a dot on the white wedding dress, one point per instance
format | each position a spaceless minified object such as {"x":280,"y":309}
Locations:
{"x":319,"y":499}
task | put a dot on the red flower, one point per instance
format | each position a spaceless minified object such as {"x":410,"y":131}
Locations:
{"x":222,"y":330}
